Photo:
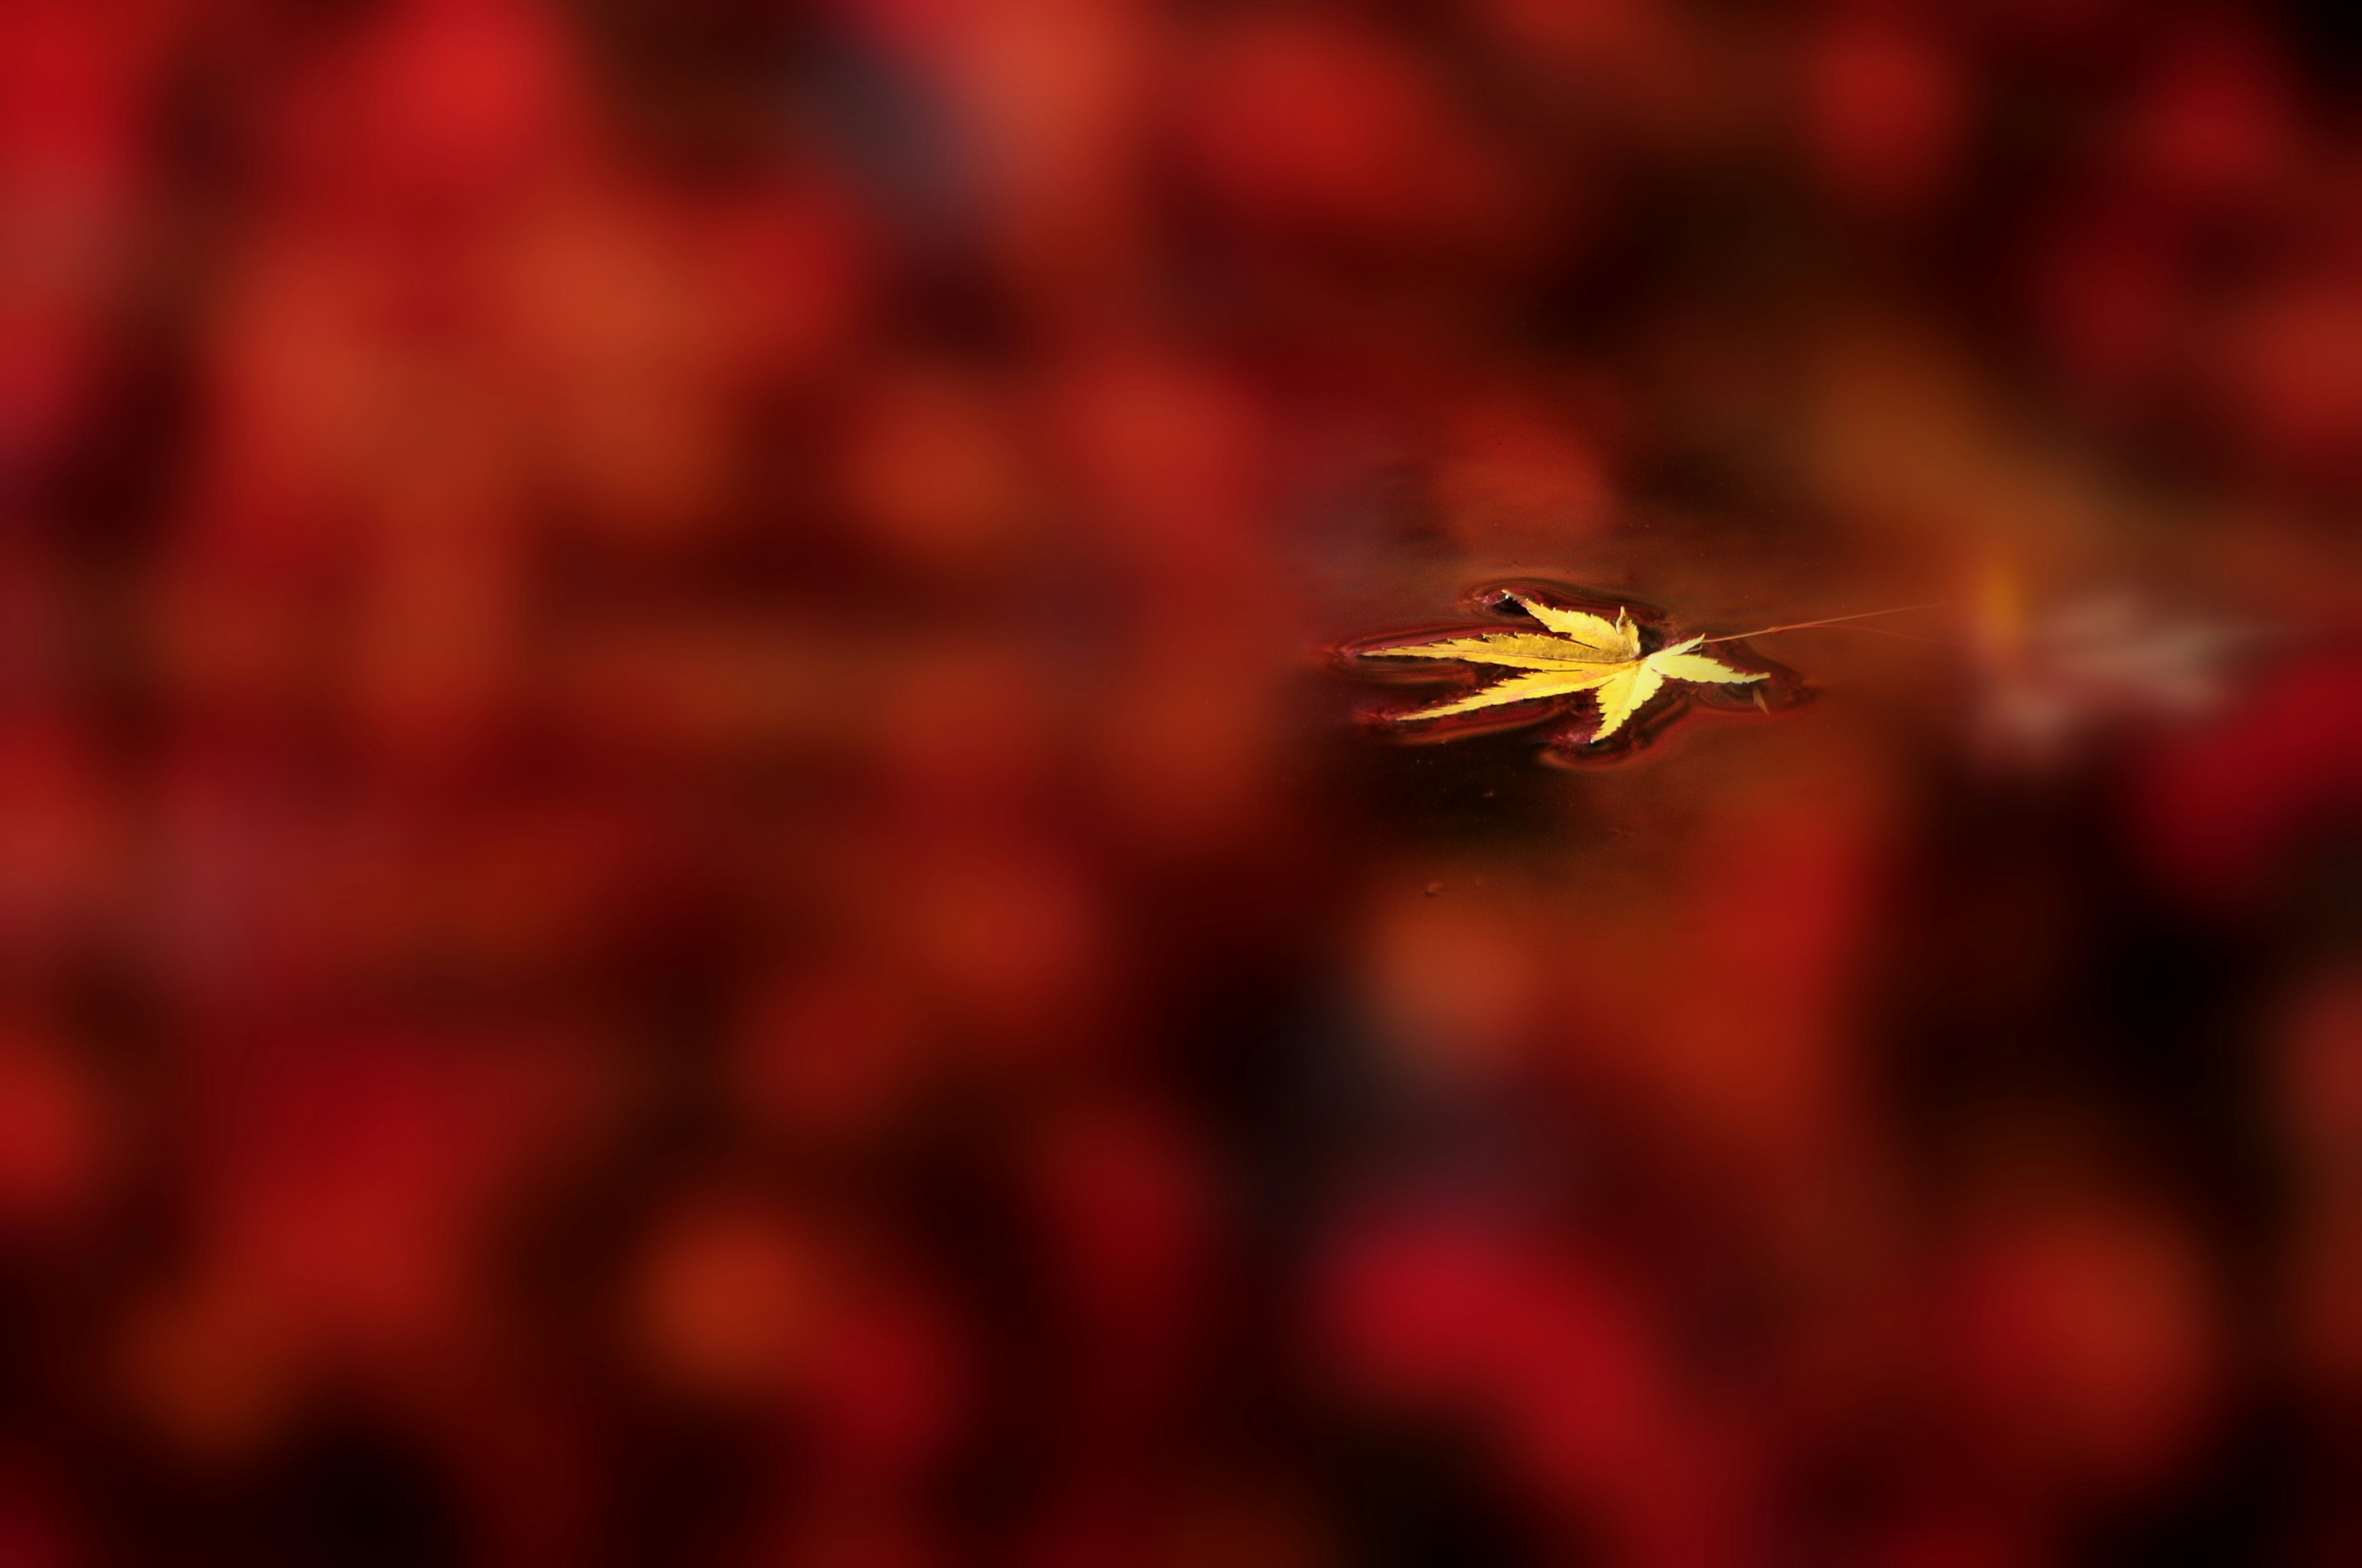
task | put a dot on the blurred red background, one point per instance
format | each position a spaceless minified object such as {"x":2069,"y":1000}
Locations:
{"x":683,"y":879}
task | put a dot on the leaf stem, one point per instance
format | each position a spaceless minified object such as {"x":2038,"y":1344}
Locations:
{"x":1832,"y":621}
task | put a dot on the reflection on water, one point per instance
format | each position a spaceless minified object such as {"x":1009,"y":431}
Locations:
{"x":697,"y":866}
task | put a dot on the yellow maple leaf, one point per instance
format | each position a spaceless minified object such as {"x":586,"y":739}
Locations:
{"x":1574,"y":652}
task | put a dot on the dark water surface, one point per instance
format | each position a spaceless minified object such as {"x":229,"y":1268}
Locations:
{"x":709,"y":853}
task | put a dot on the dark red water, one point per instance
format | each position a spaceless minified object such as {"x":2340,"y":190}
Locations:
{"x":702,"y":860}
